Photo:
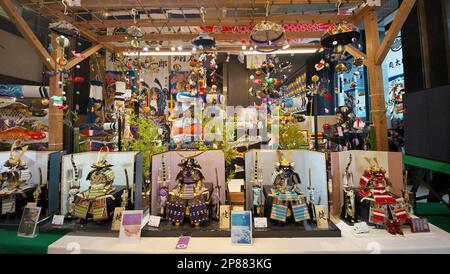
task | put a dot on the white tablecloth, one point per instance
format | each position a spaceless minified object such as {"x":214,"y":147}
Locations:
{"x":376,"y":241}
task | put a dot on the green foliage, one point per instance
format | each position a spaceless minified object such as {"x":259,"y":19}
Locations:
{"x":147,"y":140}
{"x":291,"y":136}
{"x":67,"y":118}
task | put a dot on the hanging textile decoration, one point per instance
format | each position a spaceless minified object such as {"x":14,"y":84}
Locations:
{"x":95,"y":103}
{"x":267,"y":35}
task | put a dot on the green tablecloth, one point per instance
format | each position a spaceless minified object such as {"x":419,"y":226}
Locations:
{"x":10,"y":243}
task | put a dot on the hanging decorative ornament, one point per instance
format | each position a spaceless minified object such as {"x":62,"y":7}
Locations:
{"x":63,"y":41}
{"x":267,"y":67}
{"x":134,"y":43}
{"x":315,"y":78}
{"x":61,"y":61}
{"x":204,"y":40}
{"x":135,"y":31}
{"x":64,"y":28}
{"x":336,"y":37}
{"x":328,"y":97}
{"x":319,"y":66}
{"x":267,"y":35}
{"x":358,"y":61}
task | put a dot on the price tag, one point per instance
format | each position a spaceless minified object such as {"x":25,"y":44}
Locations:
{"x":154,"y":221}
{"x":58,"y":220}
{"x":260,"y":222}
{"x":340,"y":133}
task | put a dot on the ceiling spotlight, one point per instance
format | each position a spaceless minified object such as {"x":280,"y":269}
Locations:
{"x":179,"y":48}
{"x":172,"y":48}
{"x":244,"y":47}
{"x":286,"y":46}
{"x":157,"y":48}
{"x":145,"y":48}
{"x":251,"y":48}
{"x":194,"y":48}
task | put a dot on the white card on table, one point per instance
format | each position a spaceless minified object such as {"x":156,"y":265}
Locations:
{"x":260,"y":222}
{"x":58,"y":220}
{"x":154,"y":221}
{"x":361,"y":227}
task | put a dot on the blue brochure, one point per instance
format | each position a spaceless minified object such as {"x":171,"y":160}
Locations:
{"x":241,"y":227}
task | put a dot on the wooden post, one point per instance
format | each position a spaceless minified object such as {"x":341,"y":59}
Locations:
{"x":376,"y":88}
{"x":55,"y":118}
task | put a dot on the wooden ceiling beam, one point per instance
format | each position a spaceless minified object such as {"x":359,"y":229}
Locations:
{"x":230,"y":21}
{"x":188,"y":36}
{"x":396,"y":26}
{"x":11,"y":10}
{"x":227,"y":48}
{"x":85,"y":54}
{"x":83,"y":30}
{"x":149,"y":4}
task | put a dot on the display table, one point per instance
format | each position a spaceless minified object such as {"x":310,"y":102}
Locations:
{"x":377,"y":241}
{"x":11,"y":244}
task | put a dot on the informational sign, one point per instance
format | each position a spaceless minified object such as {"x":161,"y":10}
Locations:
{"x":28,"y":223}
{"x":260,"y":222}
{"x":419,"y":225}
{"x":154,"y":221}
{"x":130,"y":228}
{"x":241,"y":228}
{"x":225,"y":215}
{"x":58,"y":220}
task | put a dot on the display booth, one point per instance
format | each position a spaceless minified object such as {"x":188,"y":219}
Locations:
{"x":390,"y":161}
{"x":212,"y":166}
{"x":126,"y":168}
{"x":44,"y":169}
{"x":311,"y":167}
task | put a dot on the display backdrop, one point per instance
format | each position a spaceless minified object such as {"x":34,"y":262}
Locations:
{"x":303,"y":159}
{"x":84,"y":160}
{"x":390,"y":161}
{"x":50,"y":164}
{"x":209,"y":161}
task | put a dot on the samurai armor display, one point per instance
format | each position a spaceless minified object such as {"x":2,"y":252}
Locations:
{"x":94,"y":200}
{"x":99,"y":210}
{"x":401,"y":214}
{"x":197,"y":211}
{"x":378,"y":215}
{"x":81,"y":208}
{"x":189,"y":196}
{"x":300,"y":212}
{"x":279,"y":212}
{"x":373,"y":196}
{"x":287,"y":198}
{"x":176,"y":211}
{"x":8,"y":205}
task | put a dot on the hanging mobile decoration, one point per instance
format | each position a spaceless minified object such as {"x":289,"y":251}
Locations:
{"x":336,"y":37}
{"x":267,"y":35}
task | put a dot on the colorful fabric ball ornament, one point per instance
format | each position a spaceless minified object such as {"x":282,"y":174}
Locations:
{"x":63,"y":41}
{"x":315,"y":78}
{"x":328,"y":97}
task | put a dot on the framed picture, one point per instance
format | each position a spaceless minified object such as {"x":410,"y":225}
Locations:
{"x":29,"y":221}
